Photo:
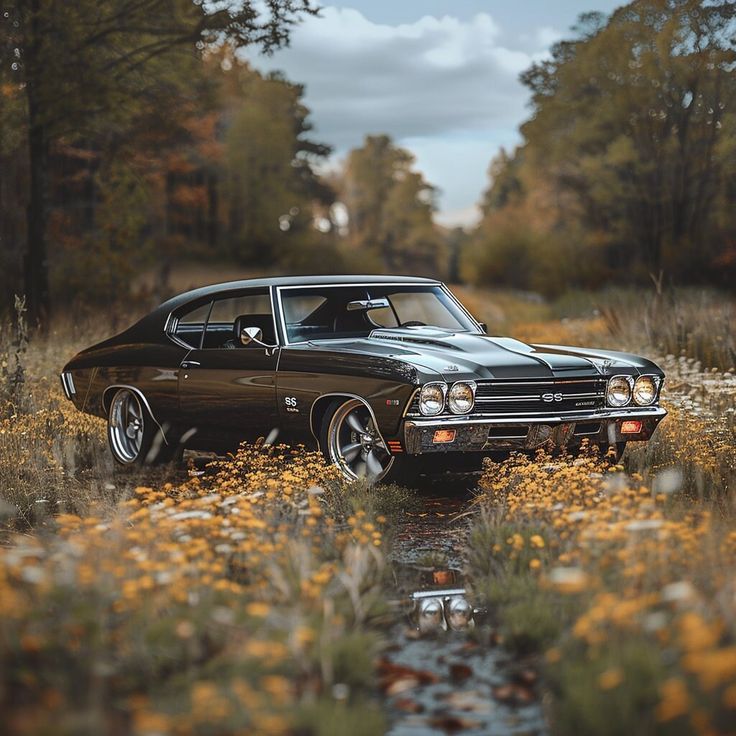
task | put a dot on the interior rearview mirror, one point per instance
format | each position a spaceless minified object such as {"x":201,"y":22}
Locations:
{"x":250,"y":335}
{"x":363,"y":305}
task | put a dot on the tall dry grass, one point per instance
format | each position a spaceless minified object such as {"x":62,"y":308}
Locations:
{"x":53,"y":459}
{"x":700,"y":325}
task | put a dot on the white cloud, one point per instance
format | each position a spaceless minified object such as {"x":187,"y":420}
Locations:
{"x":447,"y":86}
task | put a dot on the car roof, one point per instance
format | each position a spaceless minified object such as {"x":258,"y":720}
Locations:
{"x":152,"y":324}
{"x":213,"y":289}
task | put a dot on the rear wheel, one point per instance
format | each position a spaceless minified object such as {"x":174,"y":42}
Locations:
{"x":352,"y":443}
{"x":134,"y":438}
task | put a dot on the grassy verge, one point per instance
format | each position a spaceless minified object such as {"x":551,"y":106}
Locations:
{"x":241,"y":601}
{"x":627,"y":592}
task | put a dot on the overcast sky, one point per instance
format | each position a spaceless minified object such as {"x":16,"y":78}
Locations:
{"x":440,"y":77}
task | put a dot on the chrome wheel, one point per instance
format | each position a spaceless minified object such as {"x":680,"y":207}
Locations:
{"x":126,"y":426}
{"x":355,"y":445}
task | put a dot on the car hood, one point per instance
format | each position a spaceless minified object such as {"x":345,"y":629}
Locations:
{"x":461,"y":355}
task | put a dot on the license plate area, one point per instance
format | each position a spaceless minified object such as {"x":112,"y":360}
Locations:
{"x":444,"y":436}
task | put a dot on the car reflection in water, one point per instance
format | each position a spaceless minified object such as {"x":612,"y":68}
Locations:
{"x":443,"y":610}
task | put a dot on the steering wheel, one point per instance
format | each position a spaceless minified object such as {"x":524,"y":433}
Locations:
{"x":413,"y":323}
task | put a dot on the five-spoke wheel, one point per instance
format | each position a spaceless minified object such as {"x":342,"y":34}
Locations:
{"x":354,"y":444}
{"x":129,"y":428}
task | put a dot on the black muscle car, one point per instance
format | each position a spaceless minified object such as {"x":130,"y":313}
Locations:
{"x":376,"y":371}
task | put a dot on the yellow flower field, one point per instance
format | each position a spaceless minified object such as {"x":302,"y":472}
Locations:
{"x":628,"y":589}
{"x":229,"y":603}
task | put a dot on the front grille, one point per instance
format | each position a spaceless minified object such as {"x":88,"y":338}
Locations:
{"x":529,"y":396}
{"x":554,"y":395}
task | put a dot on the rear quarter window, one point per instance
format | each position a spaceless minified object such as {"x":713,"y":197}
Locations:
{"x":190,"y":325}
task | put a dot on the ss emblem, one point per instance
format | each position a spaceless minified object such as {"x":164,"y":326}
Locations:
{"x":549,"y":398}
{"x":290,"y":400}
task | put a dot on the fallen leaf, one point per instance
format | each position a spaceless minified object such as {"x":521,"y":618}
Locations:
{"x":391,"y":673}
{"x":460,"y":672}
{"x":504,"y":693}
{"x":401,"y":685}
{"x":408,"y":705}
{"x":452,"y":724}
{"x":473,"y":701}
{"x":527,"y":677}
{"x":515,"y":694}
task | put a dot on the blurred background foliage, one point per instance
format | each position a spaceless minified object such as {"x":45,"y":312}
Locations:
{"x":627,"y":169}
{"x":135,"y":142}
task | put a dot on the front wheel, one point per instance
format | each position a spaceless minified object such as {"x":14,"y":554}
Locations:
{"x":352,"y":443}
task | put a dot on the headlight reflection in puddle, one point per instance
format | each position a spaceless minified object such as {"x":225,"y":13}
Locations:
{"x":440,"y":610}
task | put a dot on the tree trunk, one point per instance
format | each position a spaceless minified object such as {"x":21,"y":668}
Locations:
{"x":36,"y":258}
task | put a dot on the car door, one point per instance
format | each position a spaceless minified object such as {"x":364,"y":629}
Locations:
{"x":228,"y":390}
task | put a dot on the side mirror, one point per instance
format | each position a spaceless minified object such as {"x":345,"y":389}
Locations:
{"x":250,"y":335}
{"x":483,"y":327}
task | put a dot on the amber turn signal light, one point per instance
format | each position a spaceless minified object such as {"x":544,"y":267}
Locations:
{"x":443,"y":435}
{"x":631,"y":426}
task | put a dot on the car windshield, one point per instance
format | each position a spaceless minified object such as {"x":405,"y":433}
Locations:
{"x":335,"y":312}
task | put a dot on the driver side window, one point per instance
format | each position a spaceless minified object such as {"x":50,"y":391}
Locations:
{"x":244,"y":310}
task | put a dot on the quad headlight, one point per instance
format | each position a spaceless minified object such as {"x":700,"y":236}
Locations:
{"x":461,"y":397}
{"x":619,"y":390}
{"x":432,"y":398}
{"x":645,"y":390}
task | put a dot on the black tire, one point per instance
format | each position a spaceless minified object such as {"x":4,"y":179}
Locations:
{"x":134,"y":437}
{"x":338,"y":433}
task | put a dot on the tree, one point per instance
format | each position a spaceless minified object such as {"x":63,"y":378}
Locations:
{"x":390,"y":207}
{"x":627,"y":166}
{"x":86,"y":68}
{"x":267,"y":184}
{"x":629,"y":118}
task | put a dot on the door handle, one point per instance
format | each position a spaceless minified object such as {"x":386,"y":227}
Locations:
{"x":189,"y":363}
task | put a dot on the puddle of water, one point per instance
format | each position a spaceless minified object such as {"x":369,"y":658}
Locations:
{"x":455,"y":693}
{"x":447,"y":682}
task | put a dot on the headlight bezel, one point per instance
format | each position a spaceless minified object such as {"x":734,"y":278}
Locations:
{"x":442,"y":386}
{"x":629,"y":382}
{"x":452,"y":403}
{"x":654,"y":380}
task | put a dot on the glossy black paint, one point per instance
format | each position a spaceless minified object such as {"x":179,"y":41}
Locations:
{"x":230,"y":395}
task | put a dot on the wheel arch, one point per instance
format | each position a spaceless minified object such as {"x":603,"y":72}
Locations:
{"x":321,"y":404}
{"x":111,"y":390}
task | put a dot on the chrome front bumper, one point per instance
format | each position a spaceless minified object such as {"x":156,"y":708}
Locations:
{"x":528,"y":432}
